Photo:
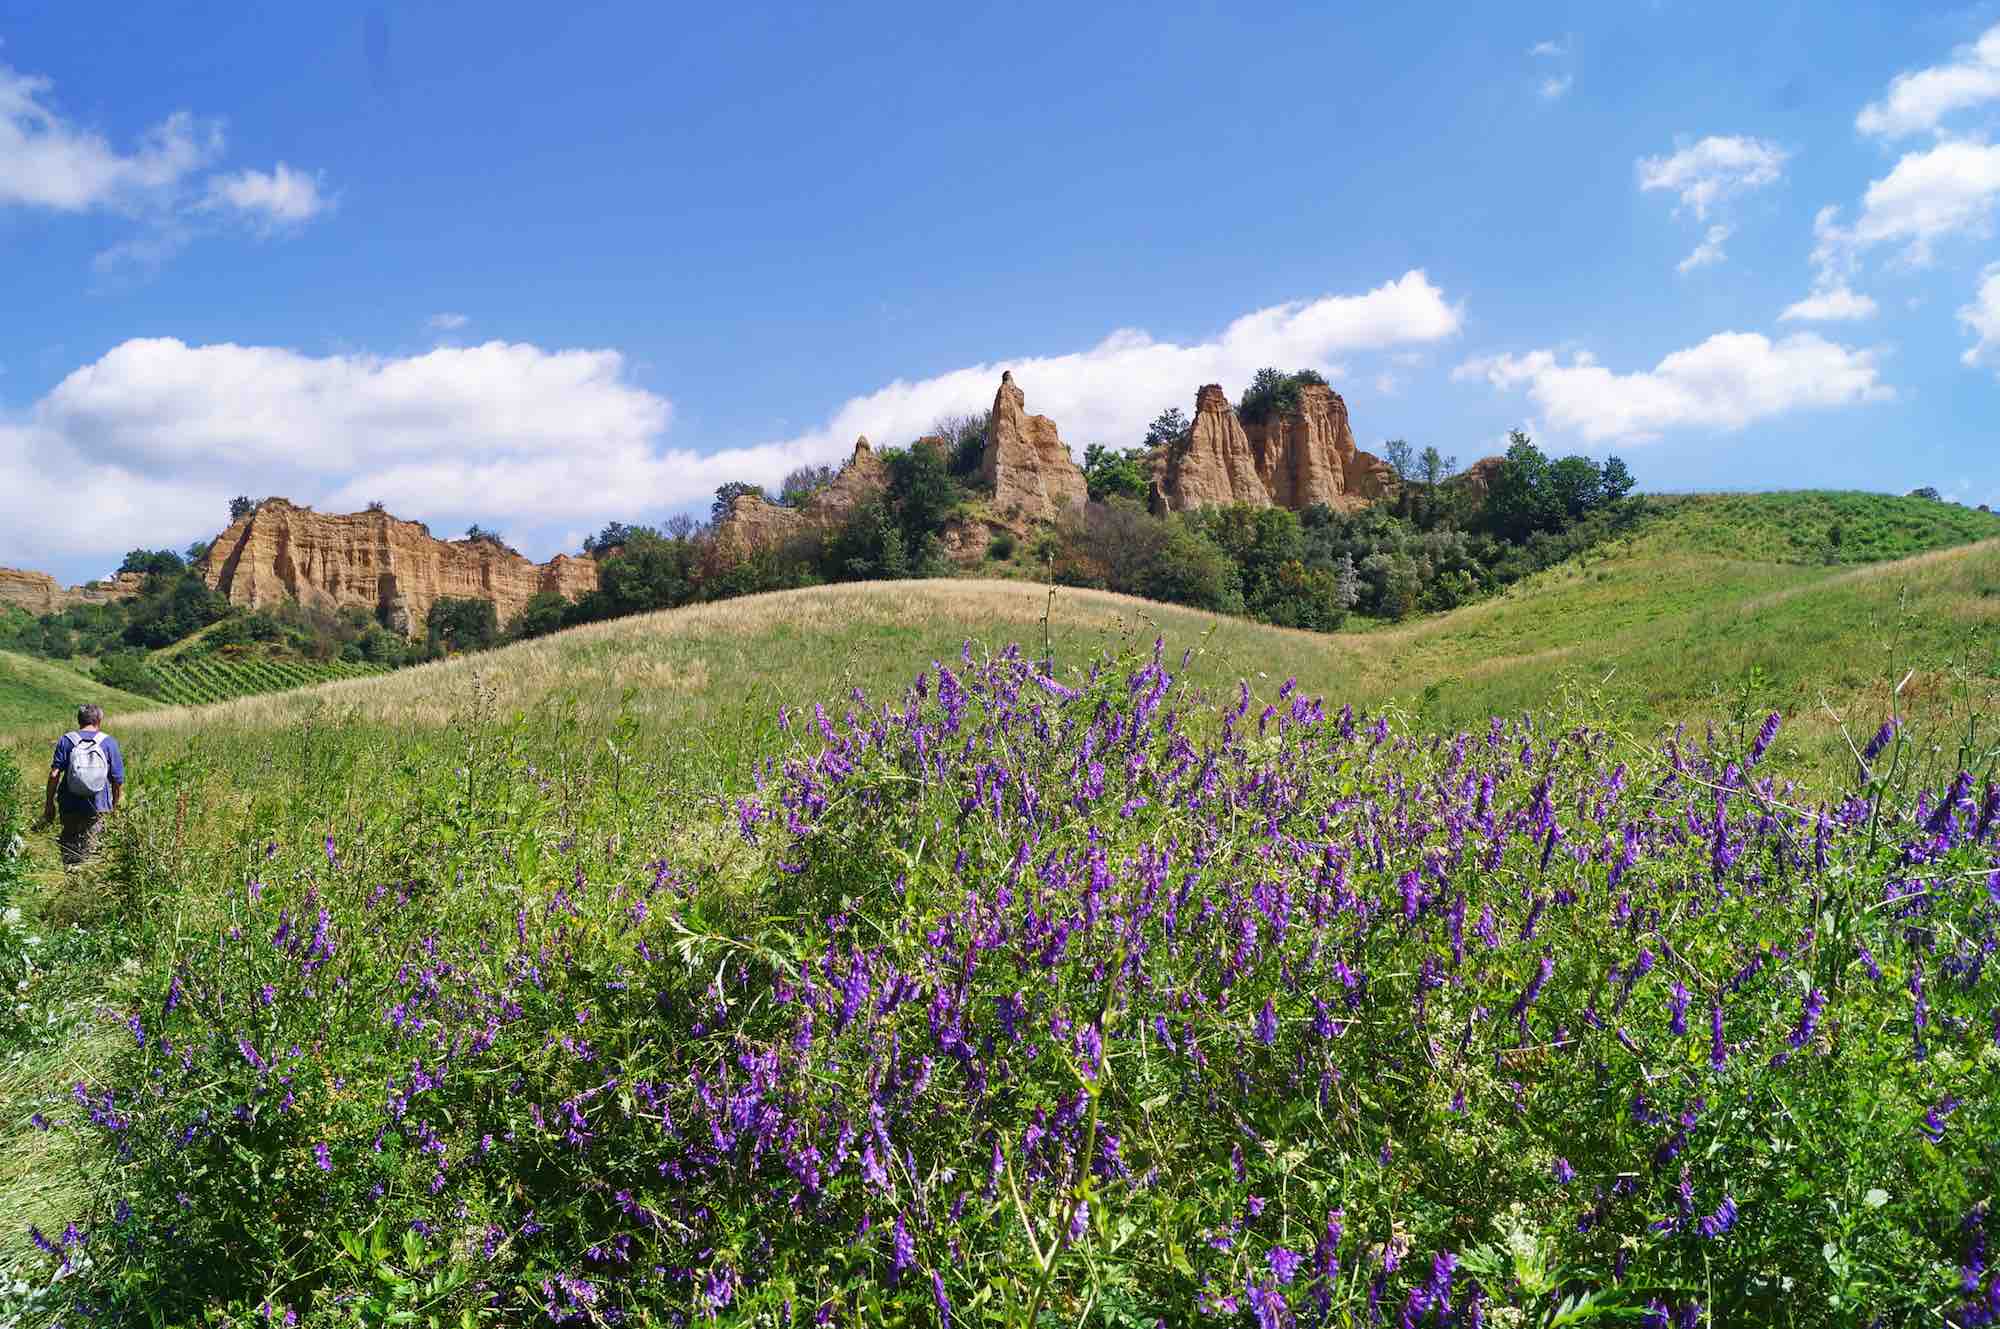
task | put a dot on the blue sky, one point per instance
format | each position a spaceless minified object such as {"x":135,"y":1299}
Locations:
{"x":545,"y":266}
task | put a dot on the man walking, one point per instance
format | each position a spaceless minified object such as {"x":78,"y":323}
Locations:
{"x":85,"y":781}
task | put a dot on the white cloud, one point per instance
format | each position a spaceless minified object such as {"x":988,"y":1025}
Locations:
{"x":1727,"y":382}
{"x":446,"y":322}
{"x":47,"y":162}
{"x":1920,"y":99}
{"x":540,"y":442}
{"x":280,"y":197}
{"x":1982,"y":318}
{"x":1708,"y":252}
{"x":1942,"y":191}
{"x":1556,"y":49}
{"x":1712,"y":170}
{"x":1833,"y":304}
{"x":1553,"y":89}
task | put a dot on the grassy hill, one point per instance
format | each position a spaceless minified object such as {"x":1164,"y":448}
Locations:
{"x":1720,"y":606}
{"x":43,"y":694}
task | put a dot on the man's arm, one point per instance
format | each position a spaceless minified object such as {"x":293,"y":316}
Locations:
{"x":49,"y":800}
{"x":117,"y":791}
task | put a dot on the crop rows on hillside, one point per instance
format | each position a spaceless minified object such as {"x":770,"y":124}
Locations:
{"x":193,"y":680}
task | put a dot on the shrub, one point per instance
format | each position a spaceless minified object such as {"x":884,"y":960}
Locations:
{"x":127,"y":671}
{"x":1001,"y":547}
{"x":456,"y":624}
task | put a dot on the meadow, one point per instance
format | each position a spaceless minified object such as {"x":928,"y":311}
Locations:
{"x":819,"y":958}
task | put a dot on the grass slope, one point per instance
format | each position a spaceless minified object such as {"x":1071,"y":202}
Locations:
{"x":39,"y":694}
{"x":1699,"y":615}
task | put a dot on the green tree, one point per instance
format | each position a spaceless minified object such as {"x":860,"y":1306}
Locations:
{"x":461,"y":623}
{"x":964,"y":439}
{"x":240,"y":507}
{"x":153,"y":562}
{"x":1108,"y":473}
{"x":544,"y":613}
{"x":1615,"y":482}
{"x":647,"y":572}
{"x":1575,"y":488}
{"x":922,"y":495}
{"x":803,"y":483}
{"x":725,"y":498}
{"x":1169,"y":430}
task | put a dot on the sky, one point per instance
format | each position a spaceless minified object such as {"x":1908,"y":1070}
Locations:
{"x":541,"y":267}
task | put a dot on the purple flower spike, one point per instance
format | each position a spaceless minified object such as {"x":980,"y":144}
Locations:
{"x":1267,"y":1024}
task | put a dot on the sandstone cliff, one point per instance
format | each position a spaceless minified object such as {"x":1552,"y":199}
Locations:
{"x":1026,"y":463}
{"x":39,"y":593}
{"x":1477,"y":479}
{"x":1292,"y":459}
{"x":755,"y":523}
{"x":392,"y":569}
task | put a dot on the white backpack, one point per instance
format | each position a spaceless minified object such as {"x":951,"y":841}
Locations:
{"x":89,"y":770}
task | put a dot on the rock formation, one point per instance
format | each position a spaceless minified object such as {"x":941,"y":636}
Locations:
{"x":1026,"y":463}
{"x":39,"y":593}
{"x":1477,"y":479}
{"x":755,"y":523}
{"x":1292,"y":459}
{"x":392,"y":569}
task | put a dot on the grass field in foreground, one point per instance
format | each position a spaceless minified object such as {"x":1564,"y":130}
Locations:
{"x":652,"y":721}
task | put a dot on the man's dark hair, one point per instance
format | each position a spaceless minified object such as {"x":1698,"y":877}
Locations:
{"x":88,"y":714}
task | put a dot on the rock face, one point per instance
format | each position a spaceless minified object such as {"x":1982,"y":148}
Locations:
{"x":39,"y":593}
{"x":1026,"y":463}
{"x":1477,"y":479}
{"x":393,"y":569}
{"x":1303,"y":456}
{"x":755,"y":523}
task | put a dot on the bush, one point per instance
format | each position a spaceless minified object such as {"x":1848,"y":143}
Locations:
{"x":1001,"y":547}
{"x":127,"y":671}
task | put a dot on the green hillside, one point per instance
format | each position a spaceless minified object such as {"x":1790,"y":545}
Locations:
{"x":1709,"y":609}
{"x":39,"y":694}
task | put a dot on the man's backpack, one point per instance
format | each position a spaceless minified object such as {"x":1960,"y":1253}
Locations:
{"x":88,"y":769}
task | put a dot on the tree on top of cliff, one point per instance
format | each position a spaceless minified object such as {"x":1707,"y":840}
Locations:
{"x":1169,"y":430}
{"x":1274,"y":392}
{"x":726,"y":496}
{"x":803,"y":483}
{"x":964,"y":441}
{"x":240,"y":507}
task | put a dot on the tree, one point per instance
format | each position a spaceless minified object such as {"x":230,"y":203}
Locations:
{"x":1433,"y":466}
{"x":1516,"y":499}
{"x":153,"y":562}
{"x":196,"y":552}
{"x":1615,"y":481}
{"x":1169,"y":430}
{"x":461,"y":623}
{"x":376,"y":505}
{"x":614,"y":534}
{"x":1575,"y":488}
{"x":1107,"y":473}
{"x":803,"y":483}
{"x":964,"y":441}
{"x":647,"y":571}
{"x":240,"y":507}
{"x":1402,"y":459}
{"x":481,"y":533}
{"x":1927,"y":492}
{"x":543,"y":614}
{"x":725,"y":498}
{"x":921,"y":493}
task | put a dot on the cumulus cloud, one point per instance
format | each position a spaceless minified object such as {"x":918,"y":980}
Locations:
{"x":1920,"y":99}
{"x":47,"y":162}
{"x":1833,"y":304}
{"x":542,"y":442}
{"x":1551,"y":48}
{"x":1727,"y":382}
{"x":280,"y":197}
{"x":1927,"y":196}
{"x":1718,"y":167}
{"x":1982,"y":319}
{"x":1708,"y":252}
{"x":446,"y":322}
{"x":1553,"y":88}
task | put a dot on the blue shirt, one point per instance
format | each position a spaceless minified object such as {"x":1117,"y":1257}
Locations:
{"x":75,"y":803}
